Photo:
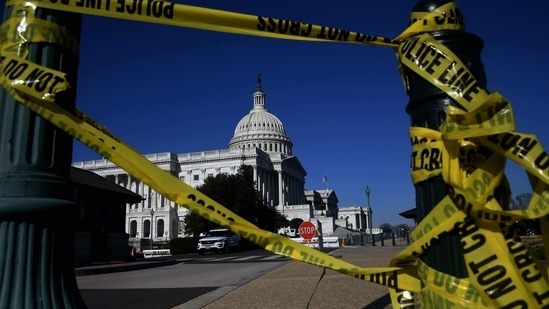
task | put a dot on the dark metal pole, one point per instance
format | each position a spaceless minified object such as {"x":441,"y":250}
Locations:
{"x":370,"y":212}
{"x":152,"y":230}
{"x":362,"y":226}
{"x":37,"y":208}
{"x":427,"y":107}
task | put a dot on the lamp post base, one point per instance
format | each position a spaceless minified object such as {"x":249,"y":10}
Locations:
{"x":36,"y":264}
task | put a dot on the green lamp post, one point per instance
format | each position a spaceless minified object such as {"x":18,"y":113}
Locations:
{"x":37,"y":208}
{"x":427,"y":108}
{"x":370,"y":212}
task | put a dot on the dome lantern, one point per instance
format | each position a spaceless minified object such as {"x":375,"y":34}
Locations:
{"x":261,"y":129}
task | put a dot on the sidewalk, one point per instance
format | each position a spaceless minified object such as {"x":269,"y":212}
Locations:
{"x":293,"y":286}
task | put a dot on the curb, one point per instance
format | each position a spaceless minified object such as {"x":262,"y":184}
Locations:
{"x":113,"y":268}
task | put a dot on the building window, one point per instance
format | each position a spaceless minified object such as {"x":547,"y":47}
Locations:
{"x":182,"y":178}
{"x":133,"y":228}
{"x":210,"y":175}
{"x":196,"y":177}
{"x":160,"y":228}
{"x":147,"y":228}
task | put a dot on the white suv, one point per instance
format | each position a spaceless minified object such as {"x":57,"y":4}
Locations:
{"x":218,"y":240}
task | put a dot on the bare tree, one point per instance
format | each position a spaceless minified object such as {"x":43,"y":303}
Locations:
{"x":386,"y":227}
{"x":521,"y":201}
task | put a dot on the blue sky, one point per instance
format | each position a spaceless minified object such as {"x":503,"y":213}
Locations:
{"x":163,"y":88}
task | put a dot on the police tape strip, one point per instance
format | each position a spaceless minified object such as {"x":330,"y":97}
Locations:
{"x":475,"y":125}
{"x":444,"y":17}
{"x":32,"y":80}
{"x":494,"y":116}
{"x":180,"y":15}
{"x":508,"y":277}
{"x":23,"y":29}
{"x":490,"y":269}
{"x":502,"y":287}
{"x":441,"y":67}
{"x":523,"y":149}
{"x":446,"y":291}
{"x":500,"y":266}
{"x":438,"y":222}
{"x":480,"y":177}
{"x":427,"y":149}
{"x":515,"y":146}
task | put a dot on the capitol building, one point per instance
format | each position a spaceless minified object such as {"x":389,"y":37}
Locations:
{"x":259,"y":141}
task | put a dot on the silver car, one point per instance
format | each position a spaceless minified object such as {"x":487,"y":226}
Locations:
{"x":219,"y":240}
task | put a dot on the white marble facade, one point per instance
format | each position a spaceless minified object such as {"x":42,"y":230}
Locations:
{"x":259,"y":141}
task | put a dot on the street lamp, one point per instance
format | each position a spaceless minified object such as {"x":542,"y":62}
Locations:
{"x":152,"y":230}
{"x":368,"y":191}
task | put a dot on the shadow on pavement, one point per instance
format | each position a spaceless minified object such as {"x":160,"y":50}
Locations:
{"x":141,"y":298}
{"x":382,"y":302}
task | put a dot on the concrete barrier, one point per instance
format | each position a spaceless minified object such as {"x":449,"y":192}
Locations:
{"x":327,"y":242}
{"x":156,"y":253}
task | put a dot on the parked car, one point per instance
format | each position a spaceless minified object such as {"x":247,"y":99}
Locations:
{"x":528,"y":227}
{"x":219,"y":240}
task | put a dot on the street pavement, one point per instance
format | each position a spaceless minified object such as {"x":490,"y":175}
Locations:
{"x":293,"y":285}
{"x":300,"y":285}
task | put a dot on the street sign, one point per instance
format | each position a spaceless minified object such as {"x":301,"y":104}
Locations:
{"x":307,"y":230}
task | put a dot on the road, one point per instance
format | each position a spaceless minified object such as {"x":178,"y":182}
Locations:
{"x":170,"y":286}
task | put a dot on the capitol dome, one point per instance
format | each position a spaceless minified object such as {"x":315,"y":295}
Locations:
{"x":261,"y":129}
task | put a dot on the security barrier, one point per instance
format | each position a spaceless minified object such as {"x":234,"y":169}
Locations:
{"x":327,"y":242}
{"x":151,"y":253}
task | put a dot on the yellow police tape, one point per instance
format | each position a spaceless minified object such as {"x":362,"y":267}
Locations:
{"x":469,"y":152}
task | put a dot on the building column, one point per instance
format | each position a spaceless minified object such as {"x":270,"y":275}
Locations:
{"x":280,"y":189}
{"x":291,"y":195}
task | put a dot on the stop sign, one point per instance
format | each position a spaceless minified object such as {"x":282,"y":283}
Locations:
{"x":307,"y":230}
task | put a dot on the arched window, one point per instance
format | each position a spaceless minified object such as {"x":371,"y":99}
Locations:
{"x":160,"y":228}
{"x":147,"y":228}
{"x":133,"y":228}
